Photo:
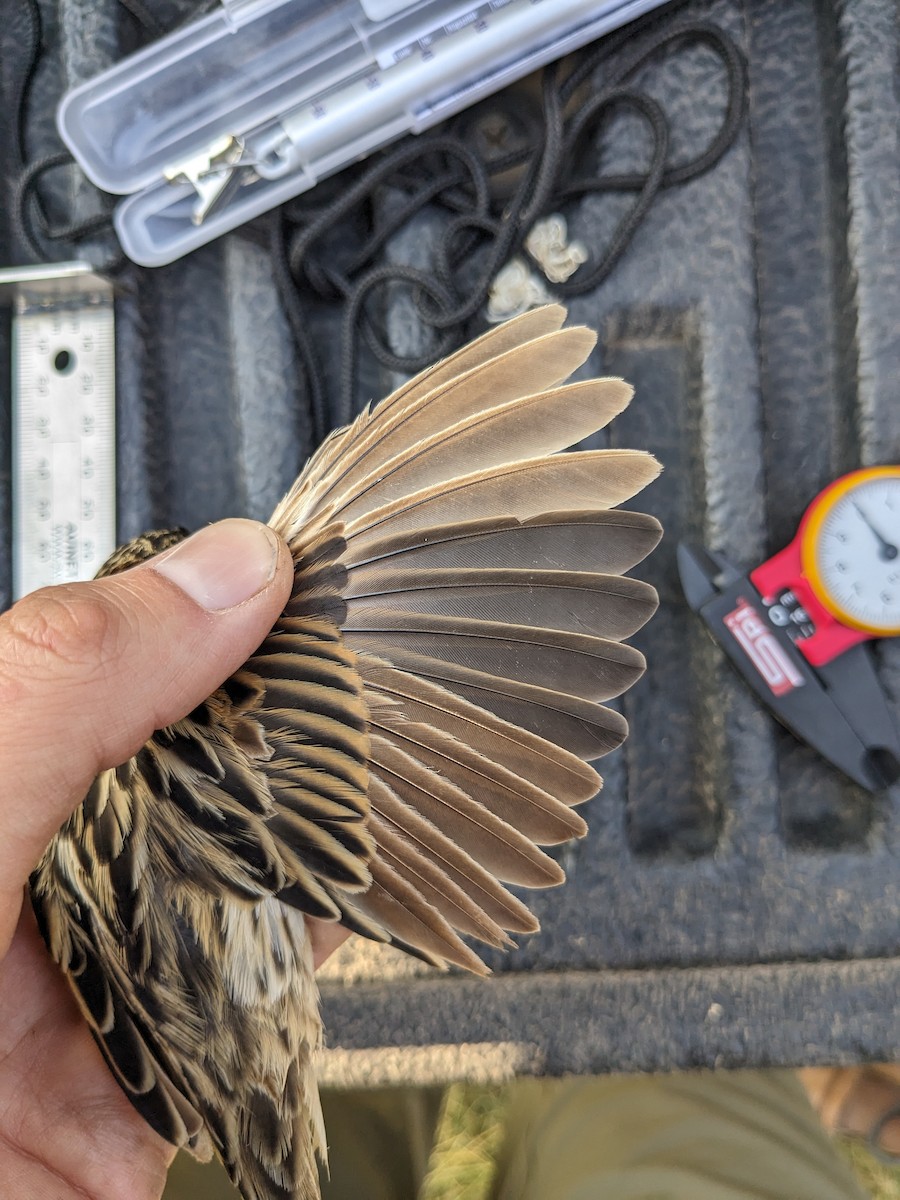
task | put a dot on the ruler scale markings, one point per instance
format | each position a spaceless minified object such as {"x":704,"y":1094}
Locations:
{"x":64,"y":427}
{"x":66,"y":482}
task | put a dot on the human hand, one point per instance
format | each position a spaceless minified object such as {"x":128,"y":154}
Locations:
{"x":87,"y":672}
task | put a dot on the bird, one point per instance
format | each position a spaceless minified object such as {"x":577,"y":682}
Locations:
{"x":419,"y":723}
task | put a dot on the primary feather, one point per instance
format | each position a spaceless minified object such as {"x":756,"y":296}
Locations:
{"x":411,"y":733}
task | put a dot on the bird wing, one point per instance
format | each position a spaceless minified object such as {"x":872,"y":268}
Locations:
{"x":475,"y":575}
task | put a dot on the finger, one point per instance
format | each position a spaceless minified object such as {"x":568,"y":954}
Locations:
{"x":89,"y":670}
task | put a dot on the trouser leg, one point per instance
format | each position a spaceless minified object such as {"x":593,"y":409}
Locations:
{"x":379,"y":1141}
{"x":744,"y":1135}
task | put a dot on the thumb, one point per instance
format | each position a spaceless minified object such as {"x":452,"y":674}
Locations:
{"x":89,"y":670}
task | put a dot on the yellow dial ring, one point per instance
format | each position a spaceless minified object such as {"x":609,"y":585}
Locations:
{"x":810,"y":536}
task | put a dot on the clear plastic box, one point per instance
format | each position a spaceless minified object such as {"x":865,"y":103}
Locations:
{"x":253,"y":104}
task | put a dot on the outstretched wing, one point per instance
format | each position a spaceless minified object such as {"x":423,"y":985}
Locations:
{"x":477,"y":577}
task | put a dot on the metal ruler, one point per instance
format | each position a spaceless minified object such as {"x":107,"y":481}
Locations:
{"x":63,"y":405}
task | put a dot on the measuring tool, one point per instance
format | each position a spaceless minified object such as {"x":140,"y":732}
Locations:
{"x":63,"y":406}
{"x":795,"y":627}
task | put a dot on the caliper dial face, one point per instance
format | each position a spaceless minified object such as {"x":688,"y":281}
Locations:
{"x":850,"y":550}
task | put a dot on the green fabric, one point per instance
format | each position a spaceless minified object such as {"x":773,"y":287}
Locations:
{"x":743,"y":1135}
{"x":379,"y":1141}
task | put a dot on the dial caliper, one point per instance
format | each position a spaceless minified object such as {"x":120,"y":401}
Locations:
{"x":796,"y":626}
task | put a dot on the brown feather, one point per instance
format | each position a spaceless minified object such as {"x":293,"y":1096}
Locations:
{"x":398,"y":905}
{"x":513,"y":799}
{"x":344,"y":448}
{"x":586,"y":729}
{"x":585,"y":479}
{"x":606,"y":606}
{"x":591,"y":667}
{"x":434,"y":886}
{"x":495,"y":342}
{"x":610,"y":542}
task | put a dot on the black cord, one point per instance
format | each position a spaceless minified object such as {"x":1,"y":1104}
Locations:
{"x":299,"y":324}
{"x":586,"y":280}
{"x":30,"y":56}
{"x":30,"y":223}
{"x":480,"y":234}
{"x":29,"y":219}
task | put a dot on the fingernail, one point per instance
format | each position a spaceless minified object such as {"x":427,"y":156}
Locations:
{"x":223,"y":564}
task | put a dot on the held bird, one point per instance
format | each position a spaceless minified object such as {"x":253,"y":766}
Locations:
{"x":414,"y":728}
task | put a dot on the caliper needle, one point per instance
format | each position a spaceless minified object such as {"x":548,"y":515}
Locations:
{"x":887,"y":550}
